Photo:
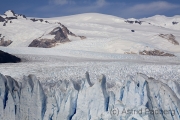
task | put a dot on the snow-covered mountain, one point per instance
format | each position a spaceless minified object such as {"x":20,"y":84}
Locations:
{"x":103,"y":33}
{"x":49,"y":82}
{"x":19,"y":31}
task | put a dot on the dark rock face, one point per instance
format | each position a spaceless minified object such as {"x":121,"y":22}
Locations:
{"x":5,"y":43}
{"x":170,"y":37}
{"x":174,"y":23}
{"x":22,"y":16}
{"x":12,"y":12}
{"x":11,"y":18}
{"x":156,"y":53}
{"x":82,"y":37}
{"x":2,"y":19}
{"x":131,"y":22}
{"x":139,"y":22}
{"x":8,"y":58}
{"x":46,"y":22}
{"x":128,"y":21}
{"x":44,"y":43}
{"x":66,"y":31}
{"x":60,"y":37}
{"x":60,"y":34}
{"x":132,"y":30}
{"x":34,"y":20}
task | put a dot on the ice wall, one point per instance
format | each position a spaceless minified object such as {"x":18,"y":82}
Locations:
{"x":143,"y":99}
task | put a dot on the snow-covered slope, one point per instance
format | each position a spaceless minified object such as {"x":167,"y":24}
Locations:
{"x":22,"y":31}
{"x":115,"y":34}
{"x":104,"y":33}
{"x":49,"y":83}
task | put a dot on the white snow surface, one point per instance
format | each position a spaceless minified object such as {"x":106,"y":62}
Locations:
{"x":104,"y":33}
{"x":65,"y":92}
{"x":9,"y":13}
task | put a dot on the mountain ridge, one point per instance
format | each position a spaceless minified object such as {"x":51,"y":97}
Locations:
{"x":92,"y":32}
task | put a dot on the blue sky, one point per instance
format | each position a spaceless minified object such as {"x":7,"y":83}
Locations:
{"x":120,"y":8}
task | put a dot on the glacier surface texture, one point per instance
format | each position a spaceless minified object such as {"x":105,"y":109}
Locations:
{"x":142,"y":98}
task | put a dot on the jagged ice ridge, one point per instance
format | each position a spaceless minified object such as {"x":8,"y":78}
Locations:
{"x":73,"y":100}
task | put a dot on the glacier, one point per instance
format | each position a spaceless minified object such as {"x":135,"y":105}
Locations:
{"x":142,"y":98}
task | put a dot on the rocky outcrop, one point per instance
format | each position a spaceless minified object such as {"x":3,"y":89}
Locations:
{"x":60,"y":37}
{"x":34,"y":20}
{"x":60,"y":34}
{"x":135,"y":21}
{"x":66,"y":31}
{"x":82,"y":37}
{"x":10,"y":14}
{"x":174,"y":23}
{"x":44,"y":43}
{"x":8,"y":58}
{"x":5,"y":43}
{"x":170,"y":37}
{"x":156,"y":53}
{"x":2,"y":19}
{"x":141,"y":98}
{"x":57,"y":35}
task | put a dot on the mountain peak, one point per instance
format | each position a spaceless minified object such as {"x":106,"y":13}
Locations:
{"x":10,"y":13}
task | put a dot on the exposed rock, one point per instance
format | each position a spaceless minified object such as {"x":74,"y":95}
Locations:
{"x":66,"y":31}
{"x":131,"y":22}
{"x":128,"y":21}
{"x":132,"y":30}
{"x":139,"y":22}
{"x":11,"y":18}
{"x":2,"y":19}
{"x":82,"y":37}
{"x":10,"y":14}
{"x":174,"y":23}
{"x":8,"y":58}
{"x":5,"y":43}
{"x":34,"y":20}
{"x":44,"y":43}
{"x":156,"y":53}
{"x":170,"y":37}
{"x":60,"y":37}
{"x":22,"y":16}
{"x":60,"y":34}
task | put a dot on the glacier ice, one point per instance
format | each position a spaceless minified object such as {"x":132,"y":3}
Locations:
{"x":142,"y":98}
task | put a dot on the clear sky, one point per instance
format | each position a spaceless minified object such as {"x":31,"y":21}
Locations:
{"x":120,"y":8}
